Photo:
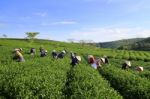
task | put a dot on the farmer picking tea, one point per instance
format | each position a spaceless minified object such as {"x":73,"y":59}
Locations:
{"x":61,"y":54}
{"x":75,"y":59}
{"x":32,"y":51}
{"x":18,"y":56}
{"x":126,"y":65}
{"x":54,"y":54}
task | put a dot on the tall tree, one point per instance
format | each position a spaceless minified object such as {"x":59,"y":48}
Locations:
{"x":31,"y":35}
{"x":4,"y":35}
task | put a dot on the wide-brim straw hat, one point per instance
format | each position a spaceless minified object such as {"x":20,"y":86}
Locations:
{"x":20,"y":49}
{"x":63,"y":51}
{"x":103,"y":60}
{"x":79,"y":58}
{"x":90,"y":56}
{"x":128,"y":63}
{"x":54,"y":50}
{"x":140,"y":68}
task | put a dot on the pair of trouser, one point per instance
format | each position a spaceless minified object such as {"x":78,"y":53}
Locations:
{"x":21,"y":59}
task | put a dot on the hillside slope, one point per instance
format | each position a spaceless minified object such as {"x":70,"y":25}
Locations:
{"x":141,"y":45}
{"x":117,"y":44}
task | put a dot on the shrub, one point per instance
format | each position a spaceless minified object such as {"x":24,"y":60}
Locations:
{"x":129,"y":85}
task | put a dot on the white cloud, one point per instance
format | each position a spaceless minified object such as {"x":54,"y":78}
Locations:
{"x":65,"y":22}
{"x":58,"y":23}
{"x":41,"y":14}
{"x":143,"y":33}
{"x":109,"y":34}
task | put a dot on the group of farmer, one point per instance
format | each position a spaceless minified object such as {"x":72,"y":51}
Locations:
{"x":17,"y":55}
{"x":97,"y":62}
{"x":75,"y":59}
{"x":127,"y":65}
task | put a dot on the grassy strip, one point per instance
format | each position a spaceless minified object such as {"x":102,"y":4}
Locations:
{"x":131,"y":86}
{"x":41,"y":78}
{"x":85,"y":83}
{"x":145,"y":73}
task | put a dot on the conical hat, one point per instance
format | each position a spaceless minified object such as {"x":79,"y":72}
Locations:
{"x":128,"y":63}
{"x":103,"y":60}
{"x":141,"y":68}
{"x":90,"y":56}
{"x":79,"y":58}
{"x":20,"y":49}
{"x":63,"y":51}
{"x":54,"y":51}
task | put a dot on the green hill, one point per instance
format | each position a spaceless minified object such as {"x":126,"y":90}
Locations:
{"x":117,"y":44}
{"x":142,"y":44}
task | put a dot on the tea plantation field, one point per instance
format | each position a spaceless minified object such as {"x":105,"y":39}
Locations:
{"x":47,"y":78}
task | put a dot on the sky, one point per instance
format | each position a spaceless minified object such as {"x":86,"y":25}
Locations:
{"x":97,"y":20}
